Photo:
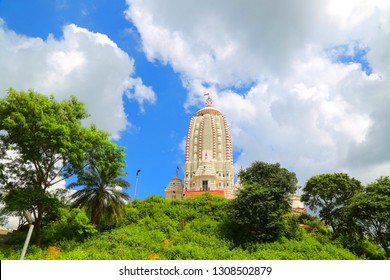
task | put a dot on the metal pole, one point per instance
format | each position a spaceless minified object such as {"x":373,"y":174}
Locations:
{"x":30,"y":230}
{"x":136,"y":183}
{"x":30,"y":220}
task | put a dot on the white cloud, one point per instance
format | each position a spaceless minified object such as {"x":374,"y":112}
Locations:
{"x":274,"y":69}
{"x":141,"y":93}
{"x":349,"y":14}
{"x":81,"y":63}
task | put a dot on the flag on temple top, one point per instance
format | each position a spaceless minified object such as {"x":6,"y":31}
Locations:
{"x":206,"y":94}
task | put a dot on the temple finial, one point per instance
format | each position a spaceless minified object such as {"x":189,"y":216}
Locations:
{"x":209,"y":102}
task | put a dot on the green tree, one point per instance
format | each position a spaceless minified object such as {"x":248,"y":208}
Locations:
{"x":71,"y":224}
{"x":17,"y":200}
{"x":100,"y":181}
{"x":371,"y":209}
{"x":330,"y":194}
{"x":42,"y":142}
{"x":258,"y":213}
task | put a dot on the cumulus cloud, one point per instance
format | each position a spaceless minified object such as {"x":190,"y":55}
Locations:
{"x":81,"y":63}
{"x":303,"y":83}
{"x":141,"y":93}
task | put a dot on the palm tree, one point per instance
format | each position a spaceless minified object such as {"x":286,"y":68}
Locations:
{"x":102,"y":187}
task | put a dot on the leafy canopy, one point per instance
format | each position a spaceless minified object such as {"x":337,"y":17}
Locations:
{"x":101,"y":183}
{"x":42,"y":142}
{"x":330,"y":193}
{"x":371,"y":210}
{"x":258,"y":212}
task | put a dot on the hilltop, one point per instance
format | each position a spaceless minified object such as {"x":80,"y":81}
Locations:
{"x":191,"y":229}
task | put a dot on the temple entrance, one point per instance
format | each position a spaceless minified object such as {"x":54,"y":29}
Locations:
{"x":205,"y":185}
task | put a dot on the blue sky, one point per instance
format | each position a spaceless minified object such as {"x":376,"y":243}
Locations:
{"x":303,"y":84}
{"x":152,"y":141}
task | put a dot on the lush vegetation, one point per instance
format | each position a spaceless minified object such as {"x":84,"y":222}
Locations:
{"x":357,"y":215}
{"x":261,"y":209}
{"x":157,"y":228}
{"x":330,"y":193}
{"x":101,"y":184}
{"x":42,"y":142}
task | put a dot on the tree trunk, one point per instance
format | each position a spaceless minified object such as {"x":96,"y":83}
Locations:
{"x":97,"y":214}
{"x":38,"y":224}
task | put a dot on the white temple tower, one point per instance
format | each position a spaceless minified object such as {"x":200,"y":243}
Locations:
{"x":209,"y":156}
{"x":208,"y":164}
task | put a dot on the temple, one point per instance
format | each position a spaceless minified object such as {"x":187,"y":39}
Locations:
{"x":208,"y":164}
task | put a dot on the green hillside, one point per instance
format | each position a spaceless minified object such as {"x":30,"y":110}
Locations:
{"x":98,"y":220}
{"x":190,"y":229}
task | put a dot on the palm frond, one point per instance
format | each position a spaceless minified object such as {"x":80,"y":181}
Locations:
{"x":99,"y":193}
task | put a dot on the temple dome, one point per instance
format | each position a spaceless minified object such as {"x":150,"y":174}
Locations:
{"x":174,"y":189}
{"x":208,"y":110}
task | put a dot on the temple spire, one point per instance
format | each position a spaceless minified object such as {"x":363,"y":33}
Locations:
{"x":177,"y":170}
{"x":209,"y":101}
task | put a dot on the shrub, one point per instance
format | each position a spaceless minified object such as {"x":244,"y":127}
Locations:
{"x":72,"y":224}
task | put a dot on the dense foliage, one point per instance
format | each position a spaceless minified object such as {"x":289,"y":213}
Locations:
{"x":101,"y":183}
{"x":72,"y":224}
{"x":260,"y":211}
{"x":330,"y":194}
{"x":157,"y":228}
{"x":42,"y":142}
{"x":371,"y":211}
{"x":358,"y":216}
